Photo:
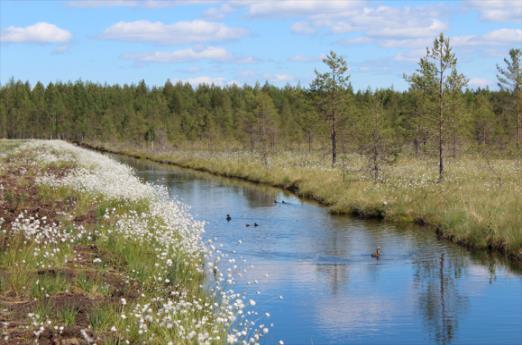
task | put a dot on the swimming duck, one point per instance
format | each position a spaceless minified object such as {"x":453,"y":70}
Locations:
{"x":376,"y":253}
{"x":255,"y":224}
{"x":247,"y":225}
{"x":228,"y":218}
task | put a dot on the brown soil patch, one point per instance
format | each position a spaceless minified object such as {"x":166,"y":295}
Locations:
{"x":20,"y":330}
{"x":21,"y":194}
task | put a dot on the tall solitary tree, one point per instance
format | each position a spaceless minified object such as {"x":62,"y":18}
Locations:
{"x":330,"y":88}
{"x":437,"y":73}
{"x":510,"y":80}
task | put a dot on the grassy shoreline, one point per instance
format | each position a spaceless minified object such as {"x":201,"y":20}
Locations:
{"x":476,"y":208}
{"x":89,"y":254}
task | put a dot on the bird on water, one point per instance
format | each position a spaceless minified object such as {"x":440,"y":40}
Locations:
{"x":377,"y":253}
{"x":228,"y":218}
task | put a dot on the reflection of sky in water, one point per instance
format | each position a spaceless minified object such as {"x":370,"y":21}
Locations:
{"x":421,"y":290}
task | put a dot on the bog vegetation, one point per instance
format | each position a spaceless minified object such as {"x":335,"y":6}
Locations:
{"x":89,"y":254}
{"x":438,"y":153}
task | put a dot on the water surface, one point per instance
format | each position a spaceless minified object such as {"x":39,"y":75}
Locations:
{"x":321,"y":286}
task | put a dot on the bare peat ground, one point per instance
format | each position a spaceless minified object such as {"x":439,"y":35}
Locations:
{"x":71,"y":302}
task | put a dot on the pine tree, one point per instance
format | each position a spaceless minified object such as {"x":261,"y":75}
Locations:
{"x":510,"y":79}
{"x":437,"y":75}
{"x":330,"y":89}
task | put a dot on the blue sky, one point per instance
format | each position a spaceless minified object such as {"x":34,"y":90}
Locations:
{"x":241,"y":41}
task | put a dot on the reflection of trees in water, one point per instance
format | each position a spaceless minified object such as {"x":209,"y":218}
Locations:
{"x":187,"y":180}
{"x":336,"y":273}
{"x":439,"y":299}
{"x":259,"y":197}
{"x":335,"y":244}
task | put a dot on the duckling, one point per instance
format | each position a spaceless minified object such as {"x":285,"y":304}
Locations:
{"x":276,"y":202}
{"x":255,"y":224}
{"x":228,"y":218}
{"x":284,"y":202}
{"x":247,"y":225}
{"x":376,"y":253}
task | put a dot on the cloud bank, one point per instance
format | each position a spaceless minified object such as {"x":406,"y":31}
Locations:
{"x":41,"y":32}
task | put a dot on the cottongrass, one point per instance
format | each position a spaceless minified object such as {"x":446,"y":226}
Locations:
{"x":478,"y":204}
{"x":165,"y":229}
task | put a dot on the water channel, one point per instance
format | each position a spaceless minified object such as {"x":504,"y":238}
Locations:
{"x":316,"y":278}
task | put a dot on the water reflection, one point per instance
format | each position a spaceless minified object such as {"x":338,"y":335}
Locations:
{"x":439,"y":298}
{"x":421,"y":290}
{"x":256,"y":199}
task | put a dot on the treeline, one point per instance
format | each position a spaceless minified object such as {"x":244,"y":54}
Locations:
{"x":266,"y":118}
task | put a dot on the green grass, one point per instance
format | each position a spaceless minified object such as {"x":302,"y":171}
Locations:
{"x":30,"y":270}
{"x":94,"y":287}
{"x":45,"y":286}
{"x":477,"y":205}
{"x":103,"y":318}
{"x":67,"y":316}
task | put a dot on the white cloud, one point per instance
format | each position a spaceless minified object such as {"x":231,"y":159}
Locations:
{"x":498,"y":10}
{"x":496,"y":37}
{"x":408,"y":28}
{"x":298,"y":7}
{"x":273,"y":8}
{"x":356,"y":40}
{"x":219,"y":12}
{"x":303,"y":28}
{"x":206,"y":80}
{"x":37,"y":33}
{"x":382,"y":21}
{"x":209,"y":53}
{"x":494,"y":40}
{"x":407,"y":42}
{"x":413,"y":55}
{"x":179,"y":32}
{"x":283,"y":77}
{"x":246,"y":60}
{"x":371,"y":21}
{"x":132,"y":3}
{"x":505,"y":35}
{"x":305,"y":58}
{"x":216,"y":54}
{"x":102,"y":3}
{"x":480,"y":82}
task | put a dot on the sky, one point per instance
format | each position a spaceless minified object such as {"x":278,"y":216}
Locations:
{"x":243,"y":41}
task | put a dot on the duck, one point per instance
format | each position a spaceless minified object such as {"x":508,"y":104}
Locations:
{"x":247,"y":225}
{"x":228,"y":218}
{"x":376,"y":253}
{"x":255,"y":224}
{"x":284,"y":202}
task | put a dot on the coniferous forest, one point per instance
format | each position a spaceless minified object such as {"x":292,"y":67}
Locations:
{"x":266,"y":117}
